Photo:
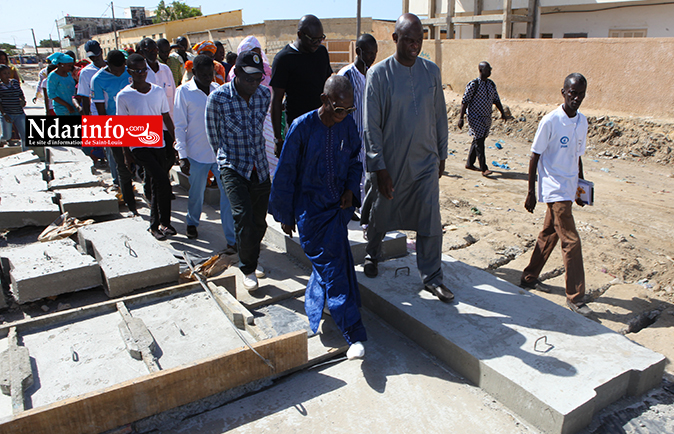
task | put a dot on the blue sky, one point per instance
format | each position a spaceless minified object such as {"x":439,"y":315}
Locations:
{"x":20,"y":17}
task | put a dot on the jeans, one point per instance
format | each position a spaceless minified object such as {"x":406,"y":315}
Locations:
{"x":19,"y":121}
{"x":249,"y":200}
{"x":153,"y":161}
{"x":112,"y":165}
{"x":198,"y":178}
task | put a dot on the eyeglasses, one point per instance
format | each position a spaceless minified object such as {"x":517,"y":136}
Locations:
{"x":317,"y":40}
{"x":249,"y":79}
{"x":137,"y":71}
{"x":342,"y":110}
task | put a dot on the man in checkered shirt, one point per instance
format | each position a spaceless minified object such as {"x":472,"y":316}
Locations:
{"x":478,"y":98}
{"x":235,"y":114}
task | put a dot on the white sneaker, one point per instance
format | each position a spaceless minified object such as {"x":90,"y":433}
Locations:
{"x":259,"y":271}
{"x":250,"y":282}
{"x":356,"y":351}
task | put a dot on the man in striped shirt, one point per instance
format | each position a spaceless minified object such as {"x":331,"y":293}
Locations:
{"x":235,"y":114}
{"x":366,"y":53}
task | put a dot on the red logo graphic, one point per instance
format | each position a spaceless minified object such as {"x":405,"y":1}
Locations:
{"x":128,"y":131}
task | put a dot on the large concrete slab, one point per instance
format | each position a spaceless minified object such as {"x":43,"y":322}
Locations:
{"x":129,"y":256}
{"x":72,"y":175}
{"x":18,"y":159}
{"x":87,"y":202}
{"x":36,"y":208}
{"x":394,"y":245}
{"x":553,"y":367}
{"x":42,"y":270}
{"x":9,"y":150}
{"x":60,"y":154}
{"x":25,"y":178}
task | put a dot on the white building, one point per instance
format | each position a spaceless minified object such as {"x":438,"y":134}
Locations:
{"x":551,"y":18}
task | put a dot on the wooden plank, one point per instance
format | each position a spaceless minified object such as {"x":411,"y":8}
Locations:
{"x":531,"y":14}
{"x":450,"y":14}
{"x":161,"y":391}
{"x":477,"y":11}
{"x":229,"y":282}
{"x":507,"y":28}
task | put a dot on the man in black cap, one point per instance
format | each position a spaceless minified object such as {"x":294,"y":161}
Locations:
{"x":95,"y":54}
{"x":235,"y":114}
{"x":299,"y":72}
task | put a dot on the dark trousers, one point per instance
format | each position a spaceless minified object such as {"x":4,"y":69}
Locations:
{"x":249,"y":200}
{"x":169,"y":161}
{"x":125,"y":178}
{"x":559,"y":225}
{"x":477,"y":152}
{"x":153,"y":161}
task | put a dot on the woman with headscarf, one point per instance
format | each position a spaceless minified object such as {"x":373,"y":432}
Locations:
{"x":206,"y":48}
{"x":250,"y":43}
{"x":61,"y":85}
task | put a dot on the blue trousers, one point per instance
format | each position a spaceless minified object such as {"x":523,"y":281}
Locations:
{"x":198,"y":178}
{"x":19,"y":121}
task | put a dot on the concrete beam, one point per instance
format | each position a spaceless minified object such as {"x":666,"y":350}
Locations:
{"x":129,"y":256}
{"x":41,"y":270}
{"x":87,"y":202}
{"x":72,"y":175}
{"x":16,"y":373}
{"x":553,"y":367}
{"x":60,"y":154}
{"x":25,"y":178}
{"x":18,"y":159}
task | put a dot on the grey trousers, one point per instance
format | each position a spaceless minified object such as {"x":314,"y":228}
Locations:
{"x":429,"y":255}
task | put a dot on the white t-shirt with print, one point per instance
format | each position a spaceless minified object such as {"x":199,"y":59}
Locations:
{"x":560,"y":141}
{"x":132,"y":102}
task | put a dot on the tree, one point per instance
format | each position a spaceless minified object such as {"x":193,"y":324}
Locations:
{"x":46,"y":43}
{"x":174,"y":11}
{"x":8,"y":48}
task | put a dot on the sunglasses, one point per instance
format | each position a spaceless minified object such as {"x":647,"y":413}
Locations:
{"x":341,"y":110}
{"x":317,"y":40}
{"x":249,"y":79}
{"x":137,"y":71}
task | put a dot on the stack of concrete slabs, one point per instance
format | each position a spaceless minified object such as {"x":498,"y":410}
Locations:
{"x":129,"y":256}
{"x":87,"y":202}
{"x":42,"y":270}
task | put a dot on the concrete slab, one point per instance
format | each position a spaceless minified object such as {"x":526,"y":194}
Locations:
{"x":25,"y":178}
{"x":37,"y":208}
{"x":129,"y":256}
{"x":553,"y":367}
{"x":394,"y":245}
{"x":42,"y":270}
{"x":60,"y":154}
{"x":18,"y":159}
{"x":72,"y":175}
{"x":87,"y":202}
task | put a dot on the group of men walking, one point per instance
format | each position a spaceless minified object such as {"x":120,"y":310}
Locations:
{"x":369,"y":137}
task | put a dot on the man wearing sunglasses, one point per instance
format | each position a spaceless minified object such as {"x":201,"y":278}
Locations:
{"x":406,"y":144}
{"x":235,"y":115}
{"x":317,"y":184}
{"x":299,"y":72}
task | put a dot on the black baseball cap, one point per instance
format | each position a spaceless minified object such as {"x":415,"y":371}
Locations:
{"x":250,"y":62}
{"x":93,"y":48}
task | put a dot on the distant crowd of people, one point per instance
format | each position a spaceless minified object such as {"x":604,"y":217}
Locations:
{"x":312,"y":148}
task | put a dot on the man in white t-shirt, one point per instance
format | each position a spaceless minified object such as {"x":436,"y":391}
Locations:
{"x":196,"y":154}
{"x":141,"y":98}
{"x":556,"y":155}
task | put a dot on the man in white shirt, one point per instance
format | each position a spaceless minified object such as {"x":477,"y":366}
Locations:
{"x":196,"y":156}
{"x":556,"y":155}
{"x":141,"y":98}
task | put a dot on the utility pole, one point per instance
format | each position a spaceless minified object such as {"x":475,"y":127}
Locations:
{"x":58,"y":32}
{"x":35,"y":42}
{"x":114,"y":28}
{"x":358,"y":20}
{"x":51,"y":43}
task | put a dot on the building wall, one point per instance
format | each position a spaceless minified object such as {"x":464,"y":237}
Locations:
{"x":620,"y":72}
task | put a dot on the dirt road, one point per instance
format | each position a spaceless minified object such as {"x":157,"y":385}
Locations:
{"x":627,"y":236}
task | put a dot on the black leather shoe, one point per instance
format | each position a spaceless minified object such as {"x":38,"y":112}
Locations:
{"x":441,"y":291}
{"x":370,"y":268}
